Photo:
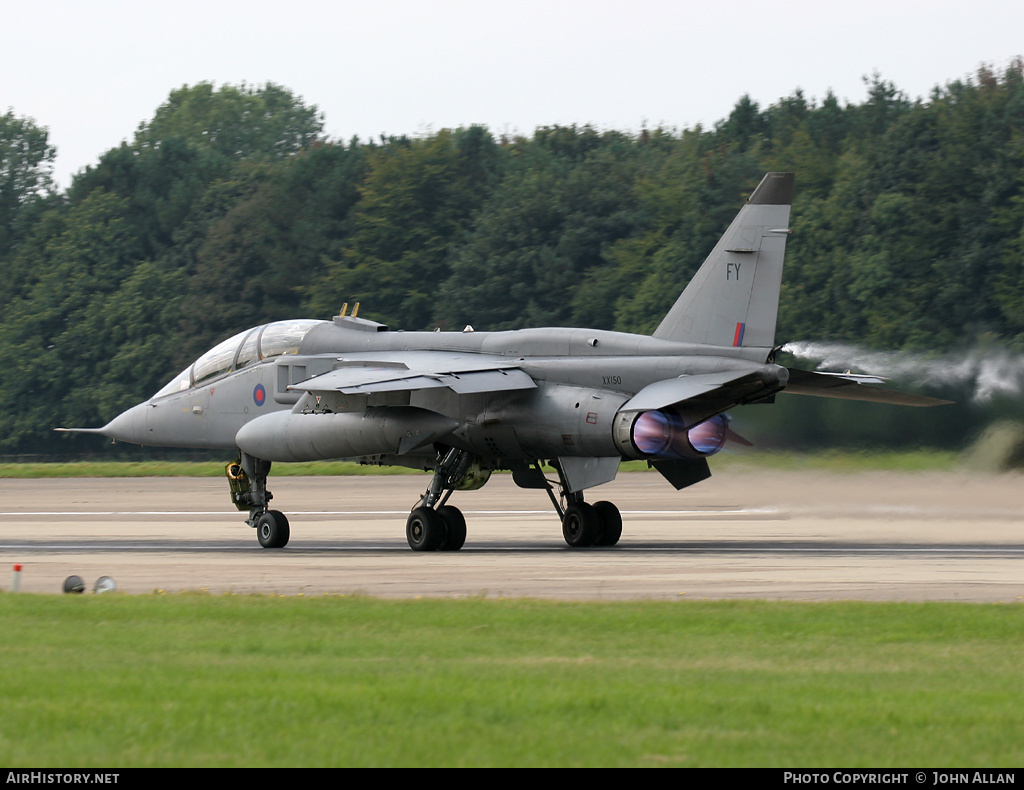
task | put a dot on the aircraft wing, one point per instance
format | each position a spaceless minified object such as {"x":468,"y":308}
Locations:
{"x":851,"y":386}
{"x":362,"y":373}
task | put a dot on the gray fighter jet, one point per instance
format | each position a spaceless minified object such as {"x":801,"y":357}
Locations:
{"x":464,"y":404}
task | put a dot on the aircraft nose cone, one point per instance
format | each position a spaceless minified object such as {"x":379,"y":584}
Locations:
{"x":129,"y":426}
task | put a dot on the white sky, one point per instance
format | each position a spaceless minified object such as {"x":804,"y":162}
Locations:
{"x":92,"y":70}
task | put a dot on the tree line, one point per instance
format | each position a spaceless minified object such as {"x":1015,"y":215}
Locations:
{"x":231,"y":207}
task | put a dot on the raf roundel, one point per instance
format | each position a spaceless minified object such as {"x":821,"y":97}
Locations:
{"x":259,"y":395}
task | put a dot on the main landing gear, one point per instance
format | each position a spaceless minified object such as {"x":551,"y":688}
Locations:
{"x":599,"y":524}
{"x":584,"y":524}
{"x":435,"y":526}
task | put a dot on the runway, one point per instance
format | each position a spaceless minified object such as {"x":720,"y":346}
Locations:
{"x":772,"y":535}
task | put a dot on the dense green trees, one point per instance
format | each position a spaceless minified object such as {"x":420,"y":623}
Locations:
{"x":245,"y":123}
{"x":542,"y":233}
{"x":230,"y":208}
{"x":26,"y":160}
{"x":415,"y":205}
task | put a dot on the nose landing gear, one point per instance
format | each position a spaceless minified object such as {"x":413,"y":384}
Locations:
{"x":247,"y":479}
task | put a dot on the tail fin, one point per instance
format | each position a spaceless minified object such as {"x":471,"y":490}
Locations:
{"x":733,"y":299}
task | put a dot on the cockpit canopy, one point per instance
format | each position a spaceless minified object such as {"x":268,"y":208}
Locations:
{"x":244,"y":349}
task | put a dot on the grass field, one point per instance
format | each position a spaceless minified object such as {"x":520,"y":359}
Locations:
{"x":204,"y":680}
{"x":834,"y":461}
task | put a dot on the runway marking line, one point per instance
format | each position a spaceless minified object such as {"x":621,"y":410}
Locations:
{"x":708,"y":512}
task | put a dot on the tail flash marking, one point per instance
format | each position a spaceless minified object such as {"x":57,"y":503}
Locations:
{"x":737,"y":338}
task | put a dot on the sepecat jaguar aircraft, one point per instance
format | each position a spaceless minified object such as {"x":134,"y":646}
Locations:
{"x":464,"y":404}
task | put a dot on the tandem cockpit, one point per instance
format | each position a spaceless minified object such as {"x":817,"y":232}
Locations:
{"x":250,"y":347}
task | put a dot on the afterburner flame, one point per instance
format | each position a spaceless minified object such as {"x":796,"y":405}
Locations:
{"x":662,"y":434}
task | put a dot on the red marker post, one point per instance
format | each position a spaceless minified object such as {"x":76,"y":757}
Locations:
{"x":16,"y":577}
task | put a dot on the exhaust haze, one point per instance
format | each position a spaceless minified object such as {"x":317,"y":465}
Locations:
{"x":983,"y":373}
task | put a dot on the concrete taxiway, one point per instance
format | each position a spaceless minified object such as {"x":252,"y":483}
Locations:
{"x":772,"y":535}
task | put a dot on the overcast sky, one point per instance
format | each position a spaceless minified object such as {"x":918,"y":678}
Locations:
{"x":92,"y":70}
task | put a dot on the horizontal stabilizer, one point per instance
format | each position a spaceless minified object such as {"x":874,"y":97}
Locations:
{"x":723,"y":390}
{"x":852,"y":387}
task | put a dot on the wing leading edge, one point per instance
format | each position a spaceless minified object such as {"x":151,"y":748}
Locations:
{"x":358,"y":374}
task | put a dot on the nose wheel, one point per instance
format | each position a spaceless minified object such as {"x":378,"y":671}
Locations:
{"x":272,"y":530}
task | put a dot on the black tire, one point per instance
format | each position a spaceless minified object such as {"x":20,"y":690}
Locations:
{"x":610,"y":519}
{"x":455,"y":528}
{"x":580,"y":525}
{"x":424,"y":530}
{"x":272,"y":530}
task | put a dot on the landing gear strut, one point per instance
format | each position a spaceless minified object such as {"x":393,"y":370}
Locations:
{"x":247,"y":479}
{"x":434,"y":525}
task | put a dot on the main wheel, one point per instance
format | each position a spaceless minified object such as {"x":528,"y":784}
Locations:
{"x":580,"y":525}
{"x":424,"y":530}
{"x":610,"y":519}
{"x":455,"y":528}
{"x":272,"y":530}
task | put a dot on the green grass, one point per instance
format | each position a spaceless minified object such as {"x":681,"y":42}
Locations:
{"x":830,"y":461}
{"x":187,"y":469}
{"x":842,"y":461}
{"x":204,"y":680}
